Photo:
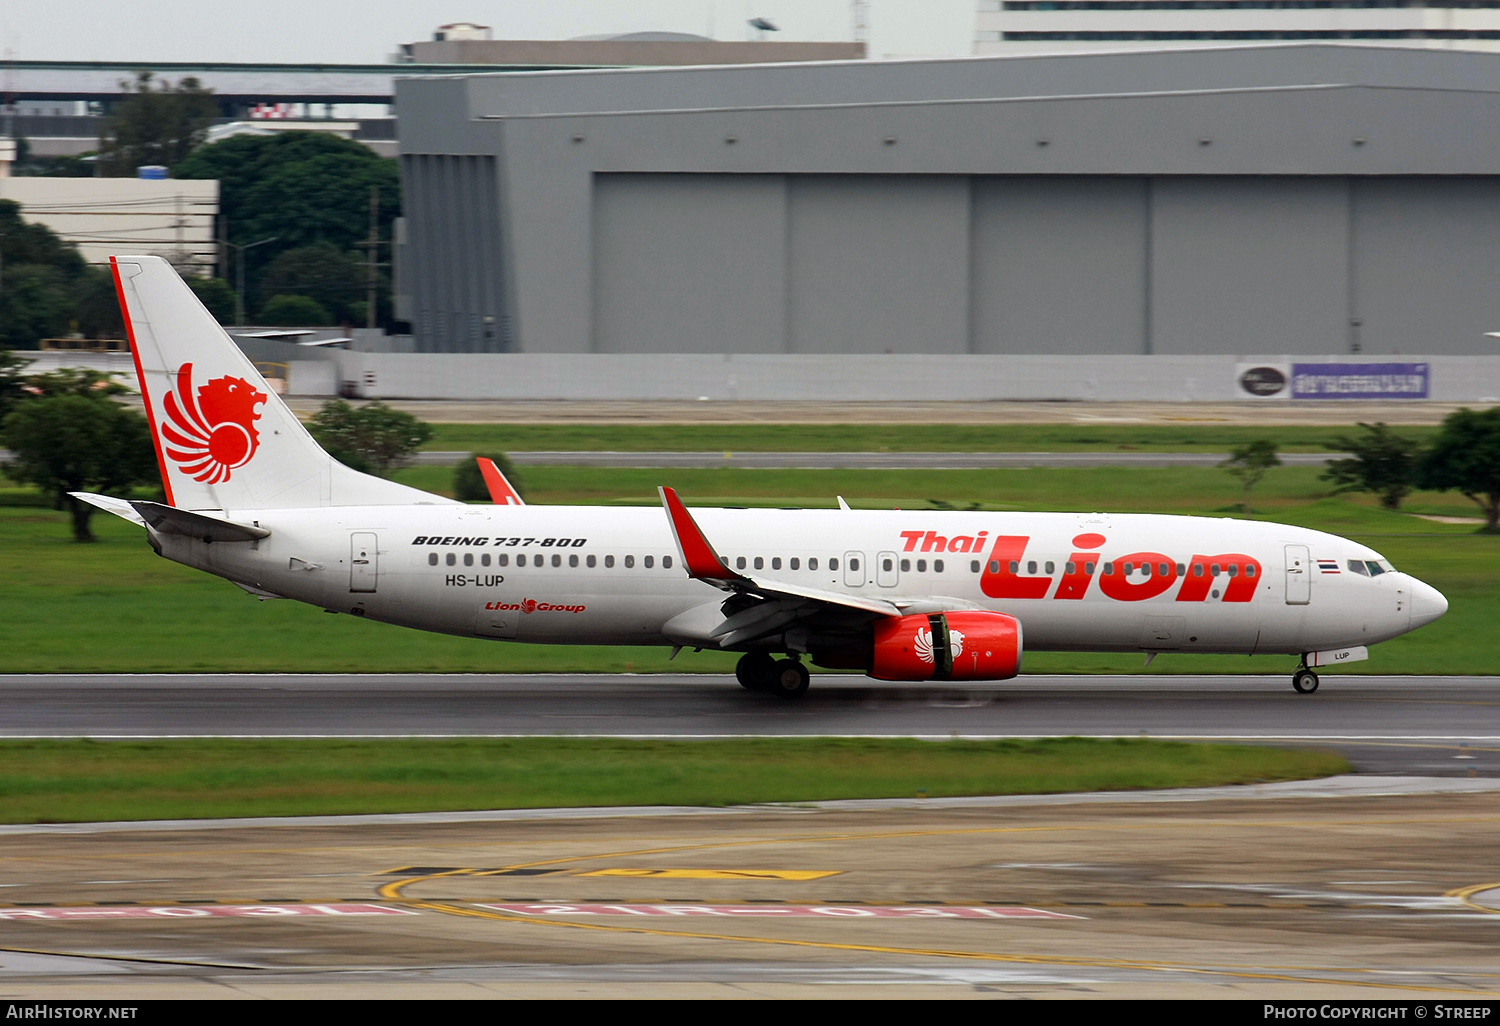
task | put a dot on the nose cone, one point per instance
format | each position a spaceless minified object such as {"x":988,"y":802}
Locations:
{"x":1427,"y":603}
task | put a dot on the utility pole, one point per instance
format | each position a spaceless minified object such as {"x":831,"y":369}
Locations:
{"x":372,"y":245}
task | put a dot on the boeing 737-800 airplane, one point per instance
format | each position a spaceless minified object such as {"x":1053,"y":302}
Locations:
{"x":901,"y":595}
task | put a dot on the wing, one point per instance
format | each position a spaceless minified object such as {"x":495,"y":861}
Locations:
{"x":759,"y":605}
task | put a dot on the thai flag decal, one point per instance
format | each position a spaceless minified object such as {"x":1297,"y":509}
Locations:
{"x":1328,"y":566}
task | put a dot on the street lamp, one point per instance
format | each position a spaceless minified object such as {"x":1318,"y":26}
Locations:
{"x":239,"y":295}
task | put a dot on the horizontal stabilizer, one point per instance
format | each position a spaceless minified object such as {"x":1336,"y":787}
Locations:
{"x":171,"y":520}
{"x":110,"y":504}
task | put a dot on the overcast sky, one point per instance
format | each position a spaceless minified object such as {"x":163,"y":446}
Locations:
{"x":365,"y":31}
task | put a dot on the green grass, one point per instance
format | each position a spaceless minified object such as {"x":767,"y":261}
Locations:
{"x":1187,"y":437}
{"x":73,"y":781}
{"x":116,"y":607}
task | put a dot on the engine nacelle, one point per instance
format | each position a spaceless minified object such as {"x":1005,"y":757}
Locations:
{"x":961,"y":645}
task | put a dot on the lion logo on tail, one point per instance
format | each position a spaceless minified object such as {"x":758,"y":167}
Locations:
{"x":212,"y":433}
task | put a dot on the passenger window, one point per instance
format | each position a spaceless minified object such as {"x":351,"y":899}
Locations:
{"x":649,"y":561}
{"x":573,"y":560}
{"x":888,"y":565}
{"x":451,"y":559}
{"x":921,"y":566}
{"x":760,"y":564}
{"x":739,"y":564}
{"x":1070,"y":567}
{"x":666,"y":562}
{"x":833,"y":564}
{"x":1129,"y":569}
{"x":1181,"y":570}
{"x":590,"y":560}
{"x":1015,"y":566}
{"x":629,"y":562}
{"x":556,"y":560}
{"x":974,"y":566}
{"x":1088,"y":569}
{"x":503,"y":559}
{"x":468,"y":559}
{"x":775,"y":562}
{"x":905,"y":565}
{"x":853,"y":564}
{"x":485,"y":559}
{"x":937,"y":566}
{"x":1049,"y":566}
{"x":609,"y":561}
{"x":812,"y":564}
{"x":1031,"y":566}
{"x":1214,"y":570}
{"x":520,"y":559}
{"x":796,"y":563}
{"x":1197,"y":569}
{"x":432,"y":561}
{"x":1249,"y":569}
{"x":1234,"y":569}
{"x":1145,"y":569}
{"x":1109,"y":569}
{"x":1165,"y":569}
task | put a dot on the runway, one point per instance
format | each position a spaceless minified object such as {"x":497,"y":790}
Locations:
{"x":868,"y":460}
{"x":1443,"y":726}
{"x":1371,"y":886}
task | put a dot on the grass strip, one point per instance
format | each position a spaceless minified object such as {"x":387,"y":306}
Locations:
{"x":1193,"y":437}
{"x":91,"y":781}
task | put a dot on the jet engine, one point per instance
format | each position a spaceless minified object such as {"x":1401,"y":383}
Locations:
{"x":960,"y":645}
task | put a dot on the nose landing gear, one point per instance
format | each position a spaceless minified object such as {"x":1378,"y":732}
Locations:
{"x":1304,"y":681}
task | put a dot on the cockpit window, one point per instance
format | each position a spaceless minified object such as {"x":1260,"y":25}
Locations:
{"x":1357,"y":566}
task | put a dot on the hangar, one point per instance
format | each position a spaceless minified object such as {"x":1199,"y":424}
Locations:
{"x":1326,"y":198}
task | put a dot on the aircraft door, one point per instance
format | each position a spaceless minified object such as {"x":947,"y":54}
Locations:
{"x":854,"y":569}
{"x":364,"y":561}
{"x":1298,"y":576}
{"x":886,"y":573}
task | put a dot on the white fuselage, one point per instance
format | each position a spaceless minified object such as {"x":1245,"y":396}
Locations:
{"x":605,"y":575}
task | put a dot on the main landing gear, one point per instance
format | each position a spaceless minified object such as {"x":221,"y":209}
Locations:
{"x":1304,"y":681}
{"x":786,"y":678}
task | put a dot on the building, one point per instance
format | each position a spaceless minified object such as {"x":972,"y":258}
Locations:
{"x":1287,"y":199}
{"x":472,"y":44}
{"x":1050,"y":26}
{"x":167,"y":217}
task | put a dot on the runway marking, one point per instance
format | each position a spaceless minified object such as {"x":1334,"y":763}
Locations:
{"x":718,"y":874}
{"x":1466,"y":895}
{"x":200,"y":911}
{"x":1238,"y":972}
{"x":782,"y":911}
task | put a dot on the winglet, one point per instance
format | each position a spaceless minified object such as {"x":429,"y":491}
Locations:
{"x":698,"y":556}
{"x":502,"y":492}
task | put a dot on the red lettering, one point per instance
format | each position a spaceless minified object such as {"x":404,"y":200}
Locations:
{"x":960,"y":543}
{"x":1200,"y":578}
{"x":911,"y":537}
{"x":933,"y":540}
{"x":998,"y":582}
{"x":1075,"y":584}
{"x":1137,"y":588}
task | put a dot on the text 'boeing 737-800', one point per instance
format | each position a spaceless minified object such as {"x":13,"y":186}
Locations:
{"x":904,"y":596}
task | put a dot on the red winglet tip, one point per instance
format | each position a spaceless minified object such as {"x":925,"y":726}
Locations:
{"x":698,"y":555}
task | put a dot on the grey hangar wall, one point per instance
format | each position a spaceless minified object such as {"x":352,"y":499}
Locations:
{"x":1291,"y":199}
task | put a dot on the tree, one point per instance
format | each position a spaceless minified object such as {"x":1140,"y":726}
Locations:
{"x":156,"y":123}
{"x":41,"y":280}
{"x":300,"y":188}
{"x":76,"y":443}
{"x":1465,"y":457}
{"x":1249,"y":463}
{"x":298,"y":310}
{"x":215,"y":294}
{"x":468,"y":480}
{"x":320,"y":272}
{"x":372,"y":437}
{"x":12,"y":381}
{"x":1383,"y":462}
